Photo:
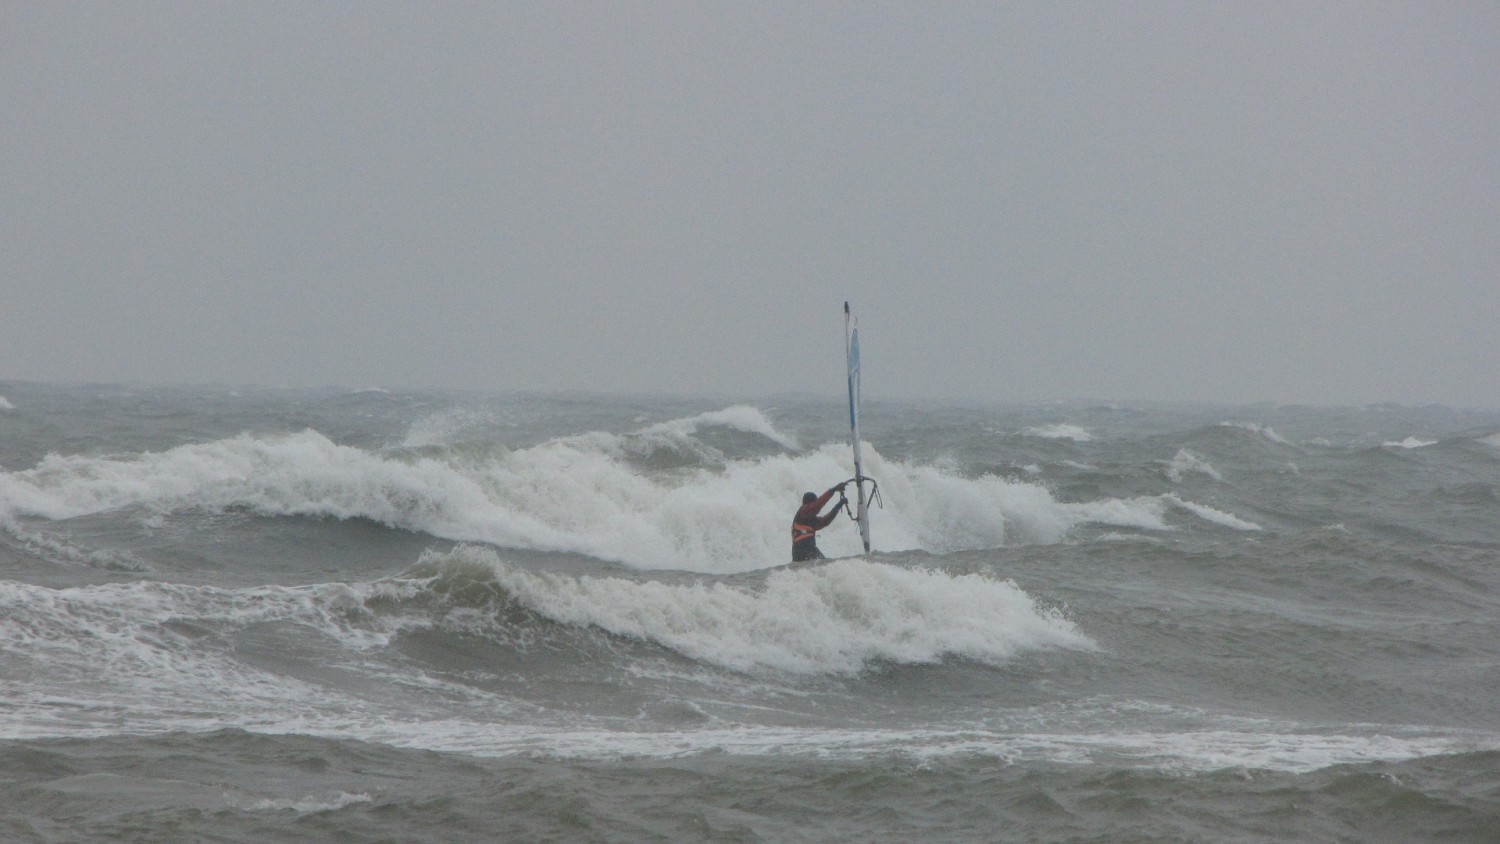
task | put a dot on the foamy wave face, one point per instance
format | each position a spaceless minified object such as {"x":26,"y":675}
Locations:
{"x":834,"y":618}
{"x":932,"y":510}
{"x":739,"y":417}
{"x":146,"y":655}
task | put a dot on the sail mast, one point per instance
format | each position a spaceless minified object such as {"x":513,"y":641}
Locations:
{"x":851,"y":356}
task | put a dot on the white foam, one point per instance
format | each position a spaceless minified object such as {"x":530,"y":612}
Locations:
{"x":307,"y":805}
{"x":1060,"y":431}
{"x":1185,"y":462}
{"x":1410,"y":443}
{"x":1220,"y":744}
{"x":6,"y":405}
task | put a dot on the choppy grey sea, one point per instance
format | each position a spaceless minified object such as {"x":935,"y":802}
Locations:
{"x":249,"y":615}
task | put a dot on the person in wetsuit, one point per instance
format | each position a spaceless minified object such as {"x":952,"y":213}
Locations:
{"x":807,"y":523}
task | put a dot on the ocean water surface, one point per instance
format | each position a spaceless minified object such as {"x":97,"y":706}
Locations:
{"x":369,"y":615}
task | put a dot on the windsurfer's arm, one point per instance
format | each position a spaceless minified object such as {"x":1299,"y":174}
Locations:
{"x":817,"y":504}
{"x":826,"y":520}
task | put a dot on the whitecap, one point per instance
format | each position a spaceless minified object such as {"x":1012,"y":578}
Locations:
{"x":1060,"y":431}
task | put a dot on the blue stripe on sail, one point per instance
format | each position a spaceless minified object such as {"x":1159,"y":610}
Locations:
{"x":854,"y":378}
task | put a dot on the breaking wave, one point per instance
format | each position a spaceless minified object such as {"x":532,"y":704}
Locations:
{"x":590,"y":494}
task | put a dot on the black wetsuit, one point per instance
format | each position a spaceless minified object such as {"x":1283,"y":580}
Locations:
{"x":805,"y":527}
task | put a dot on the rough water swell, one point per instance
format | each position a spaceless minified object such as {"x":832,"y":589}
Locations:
{"x":364,"y":616}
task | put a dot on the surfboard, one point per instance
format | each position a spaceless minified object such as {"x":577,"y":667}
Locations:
{"x":851,"y":352}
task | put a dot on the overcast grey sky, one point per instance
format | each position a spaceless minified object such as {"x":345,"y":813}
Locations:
{"x":1294,"y":202}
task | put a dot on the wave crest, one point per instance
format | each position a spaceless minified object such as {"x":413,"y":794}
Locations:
{"x":833,"y":618}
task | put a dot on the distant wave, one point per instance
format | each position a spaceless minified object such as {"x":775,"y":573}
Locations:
{"x":450,"y":426}
{"x":1263,"y":430}
{"x":739,"y":417}
{"x":1410,"y":443}
{"x":447,"y":427}
{"x":5,"y":404}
